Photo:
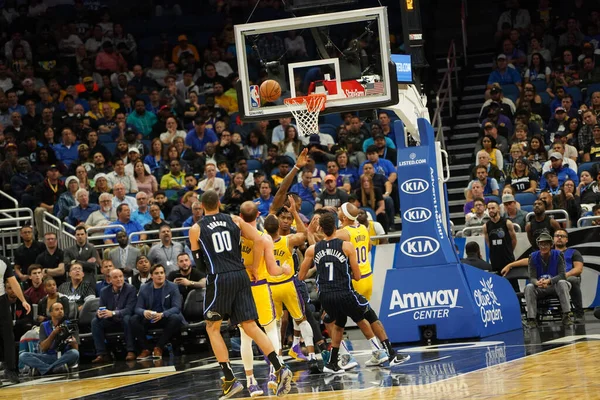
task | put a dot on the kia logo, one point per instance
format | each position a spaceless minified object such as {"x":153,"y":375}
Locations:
{"x":420,"y":246}
{"x":416,"y":215}
{"x":414,"y":186}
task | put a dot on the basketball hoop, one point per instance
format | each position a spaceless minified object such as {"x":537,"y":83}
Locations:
{"x":305,"y":110}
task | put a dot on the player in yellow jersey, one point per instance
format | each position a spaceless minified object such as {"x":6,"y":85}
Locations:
{"x":283,"y":288}
{"x":359,"y":236}
{"x":259,"y":257}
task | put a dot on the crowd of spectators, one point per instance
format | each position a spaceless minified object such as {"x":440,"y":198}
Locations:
{"x":540,"y":132}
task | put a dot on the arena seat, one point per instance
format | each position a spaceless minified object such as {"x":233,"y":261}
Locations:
{"x":329,"y":129}
{"x":111,"y":147}
{"x":528,"y":208}
{"x":254,"y":165}
{"x":307,"y":209}
{"x":332,"y":119}
{"x":576,"y":93}
{"x":87,"y":314}
{"x":105,"y":138}
{"x":525,"y":199}
{"x":511,"y":91}
{"x":193,"y":311}
{"x":587,"y":166}
{"x":540,"y":85}
{"x":371,"y":212}
{"x":494,"y":198}
{"x":546,"y":99}
{"x":594,"y":87}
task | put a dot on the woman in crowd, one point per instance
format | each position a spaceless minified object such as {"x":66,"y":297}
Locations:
{"x":370,"y":196}
{"x":521,"y":136}
{"x":172,"y":132}
{"x":516,"y":152}
{"x":536,"y":153}
{"x":588,"y":190}
{"x":45,"y":157}
{"x":235,"y":194}
{"x":155,"y":157}
{"x":574,"y":125}
{"x":101,"y":185}
{"x":537,"y":71}
{"x":489,"y":145}
{"x":256,"y":149}
{"x":48,"y":138}
{"x":290,"y":146}
{"x":521,"y":177}
{"x":346,"y":170}
{"x":568,"y":200}
{"x":125,"y":43}
{"x":189,"y":159}
{"x":146,"y":182}
{"x":84,"y":182}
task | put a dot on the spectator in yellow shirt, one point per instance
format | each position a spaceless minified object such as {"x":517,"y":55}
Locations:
{"x":224,"y":101}
{"x":184,"y":47}
{"x":175,"y":179}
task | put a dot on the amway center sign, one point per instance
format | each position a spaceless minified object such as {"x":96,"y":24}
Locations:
{"x":424,"y":305}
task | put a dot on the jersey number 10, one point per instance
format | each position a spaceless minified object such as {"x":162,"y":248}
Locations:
{"x":361,"y":254}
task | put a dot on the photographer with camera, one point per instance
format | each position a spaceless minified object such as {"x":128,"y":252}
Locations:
{"x":58,"y":345}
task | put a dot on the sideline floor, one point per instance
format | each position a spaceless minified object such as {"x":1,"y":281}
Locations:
{"x":551,"y":362}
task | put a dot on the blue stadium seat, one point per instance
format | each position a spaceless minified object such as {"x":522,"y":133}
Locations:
{"x":307,"y":209}
{"x":525,"y":199}
{"x":254,"y":165}
{"x":328,"y":129}
{"x":321,"y":167}
{"x":495,"y":198}
{"x":576,"y":93}
{"x":586,"y":167}
{"x":594,"y":87}
{"x":546,"y":99}
{"x":147,"y":143}
{"x":511,"y":91}
{"x":540,"y":85}
{"x":171,"y":194}
{"x":105,"y":139}
{"x":370,"y":212}
{"x":111,"y":147}
{"x":333,"y":119}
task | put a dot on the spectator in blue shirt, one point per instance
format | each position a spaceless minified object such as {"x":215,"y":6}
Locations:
{"x":305,"y":189}
{"x":346,"y":170}
{"x":66,"y":151}
{"x":381,"y":165}
{"x":142,"y":120}
{"x":503,"y":74}
{"x":124,"y":219}
{"x":562,"y":171}
{"x":13,"y":103}
{"x":142,"y":214}
{"x":80,"y":213}
{"x":265,"y":199}
{"x":200,"y":135}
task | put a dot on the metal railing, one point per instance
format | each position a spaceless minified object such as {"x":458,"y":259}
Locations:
{"x":10,"y":198}
{"x":95,"y":238}
{"x":10,"y":225}
{"x":67,"y":239}
{"x":52,"y":223}
{"x":446,"y":87}
{"x":581,"y":220}
{"x":565,"y":215}
{"x":155,"y":232}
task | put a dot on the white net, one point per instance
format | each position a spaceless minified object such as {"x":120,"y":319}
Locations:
{"x":306,"y":112}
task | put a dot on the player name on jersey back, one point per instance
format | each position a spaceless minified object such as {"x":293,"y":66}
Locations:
{"x":330,"y":252}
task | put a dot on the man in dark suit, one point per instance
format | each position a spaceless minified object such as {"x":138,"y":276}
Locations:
{"x":115,"y":308}
{"x":163,"y":312}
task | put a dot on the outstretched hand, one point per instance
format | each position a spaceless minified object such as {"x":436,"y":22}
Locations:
{"x":302,"y":159}
{"x":292,"y":207}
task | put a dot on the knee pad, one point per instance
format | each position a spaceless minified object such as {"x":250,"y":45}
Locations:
{"x":370,"y":316}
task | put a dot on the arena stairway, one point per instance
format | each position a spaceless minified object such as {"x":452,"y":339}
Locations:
{"x":462,"y":130}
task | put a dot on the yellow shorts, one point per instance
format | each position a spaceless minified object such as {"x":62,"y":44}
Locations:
{"x":264,"y":303}
{"x":285,"y":293}
{"x":364,"y":286}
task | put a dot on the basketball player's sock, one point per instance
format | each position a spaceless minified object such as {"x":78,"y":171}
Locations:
{"x":251,"y":380}
{"x":388,"y":346}
{"x":312,"y":356}
{"x":296,"y":334}
{"x":227,"y":371}
{"x":272,"y":332}
{"x":334,"y":355}
{"x":246,"y":350}
{"x":343,"y":349}
{"x":306,"y":332}
{"x":274,"y":361}
{"x":296,"y":340}
{"x":375,"y":344}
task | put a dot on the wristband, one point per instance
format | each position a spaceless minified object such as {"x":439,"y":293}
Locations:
{"x":296,"y":167}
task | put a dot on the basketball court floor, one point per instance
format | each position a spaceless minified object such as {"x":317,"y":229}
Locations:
{"x":551,"y":362}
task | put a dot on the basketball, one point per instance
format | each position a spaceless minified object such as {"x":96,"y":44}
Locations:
{"x":270,"y":91}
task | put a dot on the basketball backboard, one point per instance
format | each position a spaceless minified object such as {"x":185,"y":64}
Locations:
{"x":347,"y":58}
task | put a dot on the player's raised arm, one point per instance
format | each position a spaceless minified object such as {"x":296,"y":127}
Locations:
{"x":352,"y":261}
{"x":298,"y":238}
{"x":308,"y":262}
{"x":279,"y":198}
